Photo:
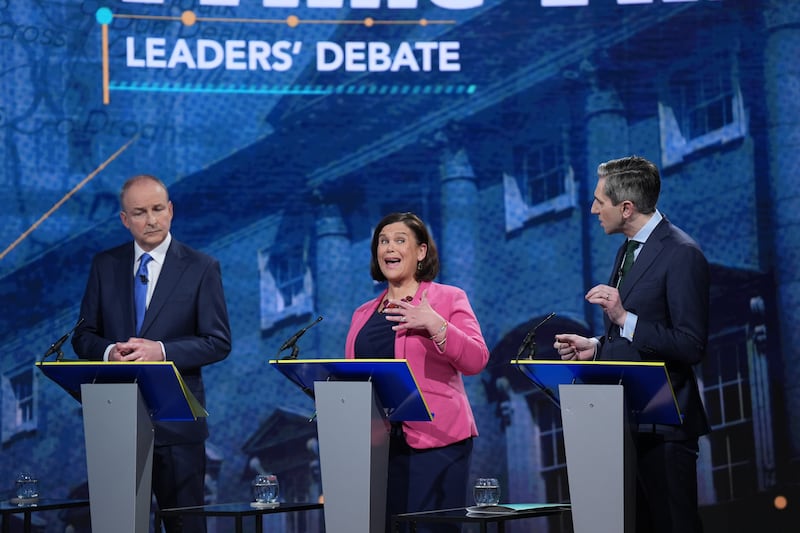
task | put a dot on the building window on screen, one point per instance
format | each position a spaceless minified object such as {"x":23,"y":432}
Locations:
{"x":701,"y":108}
{"x":285,"y":286}
{"x":19,"y":402}
{"x":742,"y":451}
{"x":542,"y":183}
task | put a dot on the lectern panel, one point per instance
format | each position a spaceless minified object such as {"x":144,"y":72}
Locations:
{"x":161,"y":385}
{"x":648,"y":389}
{"x":394,"y":381}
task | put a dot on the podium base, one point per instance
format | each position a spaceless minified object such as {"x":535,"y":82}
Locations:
{"x":600,"y":458}
{"x":119,"y":456}
{"x":354,"y":456}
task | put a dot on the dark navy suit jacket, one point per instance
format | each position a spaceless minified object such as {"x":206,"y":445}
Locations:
{"x":668,"y":289}
{"x":187,"y":312}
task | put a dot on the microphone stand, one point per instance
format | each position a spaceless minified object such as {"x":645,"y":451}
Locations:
{"x":55,"y":348}
{"x":295,"y":352}
{"x":529,"y":344}
{"x":525,"y":343}
{"x":292,"y":342}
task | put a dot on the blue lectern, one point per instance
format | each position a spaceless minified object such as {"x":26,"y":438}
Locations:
{"x":119,"y":401}
{"x":356,"y":399}
{"x":600,"y":401}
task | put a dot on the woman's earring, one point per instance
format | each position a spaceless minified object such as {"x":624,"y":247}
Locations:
{"x":419,"y":265}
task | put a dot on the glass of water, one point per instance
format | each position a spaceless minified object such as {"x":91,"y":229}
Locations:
{"x":27,"y":487}
{"x":265,"y":488}
{"x":486,"y":491}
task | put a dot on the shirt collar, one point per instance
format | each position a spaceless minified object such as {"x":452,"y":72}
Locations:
{"x":159,"y":253}
{"x":643,"y":234}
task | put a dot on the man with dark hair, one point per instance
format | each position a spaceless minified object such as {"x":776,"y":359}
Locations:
{"x":655,"y":309}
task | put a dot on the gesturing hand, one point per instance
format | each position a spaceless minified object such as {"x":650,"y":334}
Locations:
{"x":574,"y":347}
{"x":408,"y":316}
{"x":607,"y":297}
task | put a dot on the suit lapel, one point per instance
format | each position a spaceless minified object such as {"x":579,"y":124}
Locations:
{"x":123,"y":278}
{"x":617,"y":263}
{"x":648,"y":254}
{"x":171,"y":272}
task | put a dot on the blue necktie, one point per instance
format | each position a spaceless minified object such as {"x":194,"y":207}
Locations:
{"x":140,"y":282}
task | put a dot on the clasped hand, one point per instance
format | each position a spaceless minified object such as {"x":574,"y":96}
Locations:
{"x":136,"y":349}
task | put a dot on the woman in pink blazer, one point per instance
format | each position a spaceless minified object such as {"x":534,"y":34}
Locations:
{"x":433,"y":327}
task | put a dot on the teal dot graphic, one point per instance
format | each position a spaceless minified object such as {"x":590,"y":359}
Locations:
{"x":104,"y":16}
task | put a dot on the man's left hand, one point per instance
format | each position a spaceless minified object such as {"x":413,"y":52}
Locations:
{"x":607,"y":297}
{"x":137,"y":349}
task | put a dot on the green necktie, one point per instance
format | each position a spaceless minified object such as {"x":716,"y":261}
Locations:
{"x":627,"y":261}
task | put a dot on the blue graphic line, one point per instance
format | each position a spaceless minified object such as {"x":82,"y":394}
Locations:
{"x":217,"y":90}
{"x":297,"y":89}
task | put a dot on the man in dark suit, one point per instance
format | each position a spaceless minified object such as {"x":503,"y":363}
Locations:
{"x":655,"y":309}
{"x":185,"y":320}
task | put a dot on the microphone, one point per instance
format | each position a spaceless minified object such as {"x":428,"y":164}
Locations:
{"x":524,"y":345}
{"x":529,"y":343}
{"x":292,"y":342}
{"x":143,"y":279}
{"x":56,"y":346}
{"x":619,"y":275}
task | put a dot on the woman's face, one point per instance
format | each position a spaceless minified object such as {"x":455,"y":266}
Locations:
{"x":398,"y":252}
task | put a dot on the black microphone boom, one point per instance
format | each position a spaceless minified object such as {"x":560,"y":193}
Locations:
{"x":529,"y":344}
{"x":524,"y":346}
{"x":291,"y":343}
{"x":56,"y":346}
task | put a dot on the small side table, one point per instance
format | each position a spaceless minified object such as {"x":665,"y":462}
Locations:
{"x":459,"y":515}
{"x":7,"y":509}
{"x":235,"y":510}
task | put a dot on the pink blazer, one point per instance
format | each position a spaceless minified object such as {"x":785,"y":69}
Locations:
{"x":438,"y":373}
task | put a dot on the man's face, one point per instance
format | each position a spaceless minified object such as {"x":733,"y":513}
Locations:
{"x":147,"y":213}
{"x":609,"y":215}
